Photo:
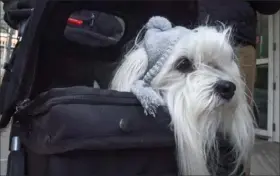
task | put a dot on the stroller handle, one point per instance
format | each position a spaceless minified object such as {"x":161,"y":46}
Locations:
{"x":15,"y":145}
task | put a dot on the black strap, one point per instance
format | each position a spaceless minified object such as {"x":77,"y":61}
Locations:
{"x":6,"y":117}
{"x":25,"y":87}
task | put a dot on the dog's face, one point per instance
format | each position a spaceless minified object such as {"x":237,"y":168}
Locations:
{"x":204,"y":93}
{"x":203,"y":64}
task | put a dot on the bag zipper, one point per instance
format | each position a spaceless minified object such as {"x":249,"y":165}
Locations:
{"x":22,"y":105}
{"x":71,"y":99}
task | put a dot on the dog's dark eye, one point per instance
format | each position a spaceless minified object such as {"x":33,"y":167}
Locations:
{"x":184,"y":65}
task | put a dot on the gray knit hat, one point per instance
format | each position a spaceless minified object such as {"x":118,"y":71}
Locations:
{"x":159,"y":41}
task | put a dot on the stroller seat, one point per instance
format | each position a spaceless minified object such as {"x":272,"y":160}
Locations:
{"x":61,"y":123}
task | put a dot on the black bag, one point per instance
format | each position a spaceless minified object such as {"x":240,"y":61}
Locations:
{"x":92,"y":132}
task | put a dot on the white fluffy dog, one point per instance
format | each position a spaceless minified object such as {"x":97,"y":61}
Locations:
{"x":195,"y":75}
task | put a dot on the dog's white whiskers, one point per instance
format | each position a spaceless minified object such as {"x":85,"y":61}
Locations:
{"x":204,"y":93}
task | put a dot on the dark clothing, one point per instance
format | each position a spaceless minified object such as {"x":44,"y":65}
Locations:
{"x":240,"y":14}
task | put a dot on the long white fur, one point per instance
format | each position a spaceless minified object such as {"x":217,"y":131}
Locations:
{"x":197,"y":112}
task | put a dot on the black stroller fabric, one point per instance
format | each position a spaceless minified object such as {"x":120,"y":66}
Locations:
{"x":94,"y":132}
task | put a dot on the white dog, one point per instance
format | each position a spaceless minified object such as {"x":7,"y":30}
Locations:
{"x":194,"y":74}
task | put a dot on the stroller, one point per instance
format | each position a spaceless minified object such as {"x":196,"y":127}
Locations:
{"x":61,"y":124}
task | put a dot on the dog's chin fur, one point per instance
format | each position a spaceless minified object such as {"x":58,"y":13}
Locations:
{"x":197,"y":112}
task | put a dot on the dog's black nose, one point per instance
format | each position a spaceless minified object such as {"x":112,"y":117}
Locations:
{"x":225,"y":89}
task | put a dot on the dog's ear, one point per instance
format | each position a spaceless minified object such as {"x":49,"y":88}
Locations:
{"x":132,"y":68}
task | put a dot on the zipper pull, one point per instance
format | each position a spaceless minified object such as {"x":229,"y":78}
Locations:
{"x":23,"y":104}
{"x":92,"y":20}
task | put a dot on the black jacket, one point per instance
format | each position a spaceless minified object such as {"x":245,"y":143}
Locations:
{"x":240,"y":14}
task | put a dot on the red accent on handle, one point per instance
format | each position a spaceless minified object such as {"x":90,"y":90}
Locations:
{"x":74,"y":21}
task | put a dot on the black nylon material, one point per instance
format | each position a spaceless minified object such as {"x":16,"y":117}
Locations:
{"x":97,"y":120}
{"x":94,"y":132}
